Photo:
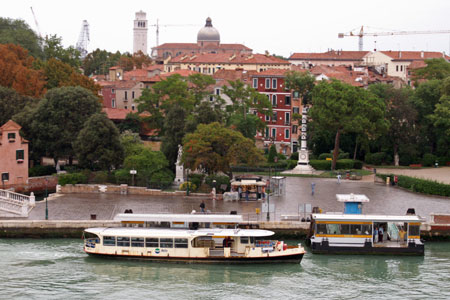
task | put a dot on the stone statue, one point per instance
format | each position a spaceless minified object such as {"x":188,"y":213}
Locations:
{"x":179,"y":168}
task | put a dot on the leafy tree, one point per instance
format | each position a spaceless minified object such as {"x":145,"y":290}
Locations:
{"x":150,"y":165}
{"x":302,"y":83}
{"x":58,"y":118}
{"x":199,"y":84}
{"x":99,"y":61}
{"x":97,"y":145}
{"x":131,"y":123}
{"x":174,"y":125}
{"x":19,"y":33}
{"x":131,"y":143}
{"x":140,"y":60}
{"x":53,"y":48}
{"x":16,"y":71}
{"x":436,"y":68}
{"x":204,"y":113}
{"x":12,"y":103}
{"x":441,"y":119}
{"x":215,"y":147}
{"x":272,"y":154}
{"x":400,"y":114}
{"x":345,"y":108}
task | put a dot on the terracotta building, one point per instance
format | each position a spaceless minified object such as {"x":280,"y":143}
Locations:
{"x":208,"y":41}
{"x":13,"y":155}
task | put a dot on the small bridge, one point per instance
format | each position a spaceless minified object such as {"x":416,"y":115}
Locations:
{"x":15,"y":203}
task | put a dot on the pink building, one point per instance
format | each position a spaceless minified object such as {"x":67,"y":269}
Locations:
{"x":13,"y":155}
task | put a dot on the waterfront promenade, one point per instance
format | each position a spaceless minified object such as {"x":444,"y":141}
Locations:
{"x":383,"y":200}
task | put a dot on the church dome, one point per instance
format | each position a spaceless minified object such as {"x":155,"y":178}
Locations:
{"x":208,"y":33}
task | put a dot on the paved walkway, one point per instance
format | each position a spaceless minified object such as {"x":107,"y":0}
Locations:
{"x":441,"y":174}
{"x":383,"y":200}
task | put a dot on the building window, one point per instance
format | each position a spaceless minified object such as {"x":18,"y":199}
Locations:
{"x":274,"y":100}
{"x":267,"y":83}
{"x":267,"y":118}
{"x":132,"y":95}
{"x":296,"y":95}
{"x":113,"y":103}
{"x":286,"y":133}
{"x":126,"y":107}
{"x":287,"y":100}
{"x":126,"y":95}
{"x":287,"y":118}
{"x":294,"y":129}
{"x":396,"y":68}
{"x":11,"y":136}
{"x":20,"y":155}
{"x":211,"y":98}
{"x":274,"y":83}
{"x":217,"y":92}
{"x":255,"y":83}
{"x":133,"y":107}
{"x":274,"y":132}
{"x":296,"y":110}
{"x":113,"y":91}
{"x":267,"y":132}
{"x":274,"y":117}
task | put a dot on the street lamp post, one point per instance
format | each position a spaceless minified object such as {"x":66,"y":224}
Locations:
{"x":132,"y":172}
{"x":187,"y":182}
{"x":46,"y":201}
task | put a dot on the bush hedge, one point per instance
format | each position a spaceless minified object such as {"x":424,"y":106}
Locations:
{"x":340,"y":164}
{"x":375,"y":158}
{"x":324,"y":156}
{"x":196,"y":179}
{"x":41,"y":171}
{"x":428,"y":159}
{"x":418,"y":185}
{"x":220,"y":180}
{"x":73,"y":178}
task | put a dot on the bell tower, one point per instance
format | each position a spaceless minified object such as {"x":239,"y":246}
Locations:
{"x":140,"y":32}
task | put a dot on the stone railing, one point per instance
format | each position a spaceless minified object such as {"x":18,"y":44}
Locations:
{"x":16,"y":203}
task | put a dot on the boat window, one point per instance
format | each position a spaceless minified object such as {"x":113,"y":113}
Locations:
{"x":152,"y":242}
{"x":123,"y":241}
{"x":321,"y":228}
{"x":137,"y":242}
{"x":366,"y":229}
{"x":244,"y":239}
{"x":333,"y":229}
{"x":109,"y":241}
{"x":252,"y":240}
{"x":345,"y":228}
{"x":181,"y":243}
{"x":166,"y":243}
{"x":414,"y":230}
{"x":356,"y":229}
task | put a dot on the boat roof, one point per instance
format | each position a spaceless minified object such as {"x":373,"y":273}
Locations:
{"x":365,"y":218}
{"x":206,"y":218}
{"x":181,"y":233}
{"x":248,"y":182}
{"x":352,"y":198}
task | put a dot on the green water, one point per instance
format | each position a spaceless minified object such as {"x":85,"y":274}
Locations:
{"x":59,"y":269}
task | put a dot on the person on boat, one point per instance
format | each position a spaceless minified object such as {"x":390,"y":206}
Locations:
{"x":380,"y":234}
{"x":202,"y":206}
{"x":402,"y":234}
{"x":375,"y":235}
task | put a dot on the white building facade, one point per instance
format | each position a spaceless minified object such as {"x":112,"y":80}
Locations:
{"x":140,"y":32}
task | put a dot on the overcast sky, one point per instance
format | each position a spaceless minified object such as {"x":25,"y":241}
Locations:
{"x":281,"y":27}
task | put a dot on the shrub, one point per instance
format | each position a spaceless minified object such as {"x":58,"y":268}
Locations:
{"x":324,"y":156}
{"x":343,"y":155}
{"x":443,"y":160}
{"x":344,"y":164}
{"x":272,"y":154}
{"x":99,"y":177}
{"x":320,"y":164}
{"x":291,"y":164}
{"x":184,"y":185}
{"x":196,"y":179}
{"x":294,"y":156}
{"x":122,"y":176}
{"x":428,"y":159}
{"x":357,"y":164}
{"x":375,"y":158}
{"x":41,"y":171}
{"x":281,"y":156}
{"x":73,"y":178}
{"x":219,"y":181}
{"x":420,"y":185}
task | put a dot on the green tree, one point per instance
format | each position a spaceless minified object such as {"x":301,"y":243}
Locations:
{"x":99,"y":61}
{"x":151,"y":166}
{"x":272,"y":153}
{"x":57,"y":120}
{"x":12,"y":103}
{"x":174,"y":125}
{"x":53,"y":48}
{"x":301,"y":83}
{"x":132,"y":123}
{"x":131,"y":143}
{"x":436,"y":68}
{"x":19,"y":33}
{"x":97,"y":145}
{"x":215,"y":148}
{"x":401,"y":115}
{"x":204,"y":113}
{"x":345,"y":109}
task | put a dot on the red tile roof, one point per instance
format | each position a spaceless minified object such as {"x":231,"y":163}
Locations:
{"x":337,"y":55}
{"x":10,"y":125}
{"x":116,"y":113}
{"x":227,"y":58}
{"x":182,"y":73}
{"x":194,"y":46}
{"x":414,"y":55}
{"x":233,"y":75}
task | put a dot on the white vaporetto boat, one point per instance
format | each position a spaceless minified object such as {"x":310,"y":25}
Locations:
{"x":188,"y":238}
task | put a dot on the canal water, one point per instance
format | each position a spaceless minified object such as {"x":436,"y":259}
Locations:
{"x":59,"y":269}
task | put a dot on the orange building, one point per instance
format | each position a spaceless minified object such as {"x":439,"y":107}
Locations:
{"x":13,"y":155}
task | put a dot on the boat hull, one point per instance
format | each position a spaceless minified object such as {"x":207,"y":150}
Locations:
{"x":324,"y":248}
{"x":294,"y":258}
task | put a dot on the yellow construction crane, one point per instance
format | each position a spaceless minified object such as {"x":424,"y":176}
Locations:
{"x":157,"y":25}
{"x":361,"y":34}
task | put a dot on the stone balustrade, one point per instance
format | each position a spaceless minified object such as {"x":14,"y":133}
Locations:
{"x":15,"y":203}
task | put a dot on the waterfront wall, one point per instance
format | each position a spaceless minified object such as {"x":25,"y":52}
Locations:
{"x":74,"y":228}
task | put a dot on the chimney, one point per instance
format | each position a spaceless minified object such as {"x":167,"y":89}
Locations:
{"x":399,"y":54}
{"x":421,"y":54}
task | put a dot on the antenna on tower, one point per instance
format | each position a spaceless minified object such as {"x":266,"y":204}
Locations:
{"x":83,"y":39}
